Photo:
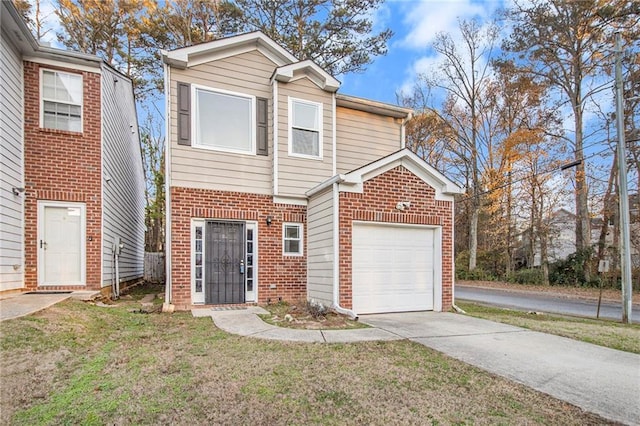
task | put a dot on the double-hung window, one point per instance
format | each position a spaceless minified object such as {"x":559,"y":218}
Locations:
{"x":305,"y":129}
{"x":292,"y":239}
{"x":224,"y":121}
{"x":61,"y":106}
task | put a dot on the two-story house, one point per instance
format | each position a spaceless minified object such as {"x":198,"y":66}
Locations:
{"x":280,"y":188}
{"x":71,"y":178}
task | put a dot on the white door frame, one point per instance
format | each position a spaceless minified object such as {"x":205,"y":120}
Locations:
{"x":83,"y":243}
{"x":199,"y":298}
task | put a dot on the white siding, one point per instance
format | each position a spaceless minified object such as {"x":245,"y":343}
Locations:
{"x":363,"y":137}
{"x":248,"y":73}
{"x":11,"y":167}
{"x":123,"y":195}
{"x":320,"y":247}
{"x":297,"y":175}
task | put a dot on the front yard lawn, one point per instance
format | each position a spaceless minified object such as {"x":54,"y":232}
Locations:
{"x":77,"y":363}
{"x":615,"y":335}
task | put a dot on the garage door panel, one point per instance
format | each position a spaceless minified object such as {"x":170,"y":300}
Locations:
{"x":393,"y":268}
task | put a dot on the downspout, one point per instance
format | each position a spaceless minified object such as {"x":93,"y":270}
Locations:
{"x":167,"y":191}
{"x":276,"y":139}
{"x":336,"y":256}
{"x":453,"y":264}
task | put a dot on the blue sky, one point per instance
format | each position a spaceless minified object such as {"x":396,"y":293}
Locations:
{"x":414,"y":23}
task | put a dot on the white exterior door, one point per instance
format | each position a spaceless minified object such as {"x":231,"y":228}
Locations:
{"x":61,"y":243}
{"x":393,"y":268}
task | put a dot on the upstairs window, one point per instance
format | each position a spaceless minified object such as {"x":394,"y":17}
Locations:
{"x":224,"y":121}
{"x":61,"y":101}
{"x":305,"y":130}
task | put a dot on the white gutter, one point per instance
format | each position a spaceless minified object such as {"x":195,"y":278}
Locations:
{"x":336,"y":256}
{"x":167,"y":189}
{"x":276,"y":142}
{"x":333,"y":131}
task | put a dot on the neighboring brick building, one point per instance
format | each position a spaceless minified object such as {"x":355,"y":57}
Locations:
{"x":76,"y":185}
{"x":280,"y":188}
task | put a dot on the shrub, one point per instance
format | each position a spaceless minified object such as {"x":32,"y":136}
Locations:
{"x":527,"y":276}
{"x":571,"y":270}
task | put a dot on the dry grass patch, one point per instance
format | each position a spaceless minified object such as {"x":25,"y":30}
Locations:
{"x":308,"y":316}
{"x":113,"y":366}
{"x":611,"y":334}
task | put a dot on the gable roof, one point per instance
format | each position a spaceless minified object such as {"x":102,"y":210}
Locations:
{"x":17,"y":31}
{"x":222,"y":48}
{"x":317,"y":75}
{"x":353,"y":181}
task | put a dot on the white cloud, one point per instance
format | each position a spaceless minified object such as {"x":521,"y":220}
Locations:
{"x":50,"y":22}
{"x":426,"y":18}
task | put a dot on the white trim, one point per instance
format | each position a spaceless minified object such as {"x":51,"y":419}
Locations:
{"x":437,"y":254}
{"x":311,"y":70}
{"x":230,"y":46}
{"x":41,"y":205}
{"x":41,"y":99}
{"x":320,"y":106}
{"x":62,"y":64}
{"x":194,"y":119}
{"x":445,"y":188}
{"x":196,"y":298}
{"x":254,"y":225}
{"x":301,"y":239}
{"x":276,"y":140}
{"x":336,"y":244}
{"x":167,"y":184}
{"x":334,"y":138}
{"x":290,"y":200}
{"x":102,"y":181}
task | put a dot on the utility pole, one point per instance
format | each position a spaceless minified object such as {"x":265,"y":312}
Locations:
{"x":625,"y":239}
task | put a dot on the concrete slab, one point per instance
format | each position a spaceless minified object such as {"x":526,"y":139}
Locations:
{"x":290,"y":335}
{"x":85,"y":295}
{"x":358,"y":335}
{"x":600,"y":380}
{"x":27,"y":304}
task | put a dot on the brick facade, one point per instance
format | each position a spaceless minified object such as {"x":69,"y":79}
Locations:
{"x":288,"y":273}
{"x":63,"y":166}
{"x":377,"y":203}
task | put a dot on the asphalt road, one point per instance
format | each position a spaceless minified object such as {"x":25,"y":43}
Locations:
{"x":544,"y":303}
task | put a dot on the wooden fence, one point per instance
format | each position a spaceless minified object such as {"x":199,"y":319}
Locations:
{"x":154,"y":270}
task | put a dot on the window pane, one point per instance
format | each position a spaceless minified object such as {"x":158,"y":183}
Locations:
{"x":199,"y":259}
{"x":305,"y":115}
{"x":305,"y":142}
{"x":198,"y":286}
{"x":224,"y":121}
{"x":291,"y":232}
{"x":199,"y":232}
{"x":292,"y":246}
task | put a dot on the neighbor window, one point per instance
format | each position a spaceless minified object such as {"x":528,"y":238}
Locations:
{"x":292,"y":239}
{"x":305,"y":137}
{"x":224,"y":121}
{"x":61,"y":101}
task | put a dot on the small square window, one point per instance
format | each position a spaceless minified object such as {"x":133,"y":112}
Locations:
{"x":292,"y":239}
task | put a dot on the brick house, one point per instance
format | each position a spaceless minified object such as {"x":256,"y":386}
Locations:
{"x":279,"y":187}
{"x":72,"y":180}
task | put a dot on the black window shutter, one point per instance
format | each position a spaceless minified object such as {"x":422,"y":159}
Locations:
{"x":261,"y":126}
{"x":184,"y":114}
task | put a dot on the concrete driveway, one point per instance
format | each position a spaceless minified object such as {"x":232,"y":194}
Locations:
{"x":600,"y":380}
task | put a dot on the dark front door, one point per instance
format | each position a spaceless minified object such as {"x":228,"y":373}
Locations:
{"x":224,"y":248}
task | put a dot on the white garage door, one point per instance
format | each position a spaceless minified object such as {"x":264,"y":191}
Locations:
{"x":393,"y":268}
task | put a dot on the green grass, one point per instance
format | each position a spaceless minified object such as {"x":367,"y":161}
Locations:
{"x":76,"y":363}
{"x":611,"y":334}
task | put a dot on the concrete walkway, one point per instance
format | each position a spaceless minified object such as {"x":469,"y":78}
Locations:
{"x":600,"y":380}
{"x":23,"y":304}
